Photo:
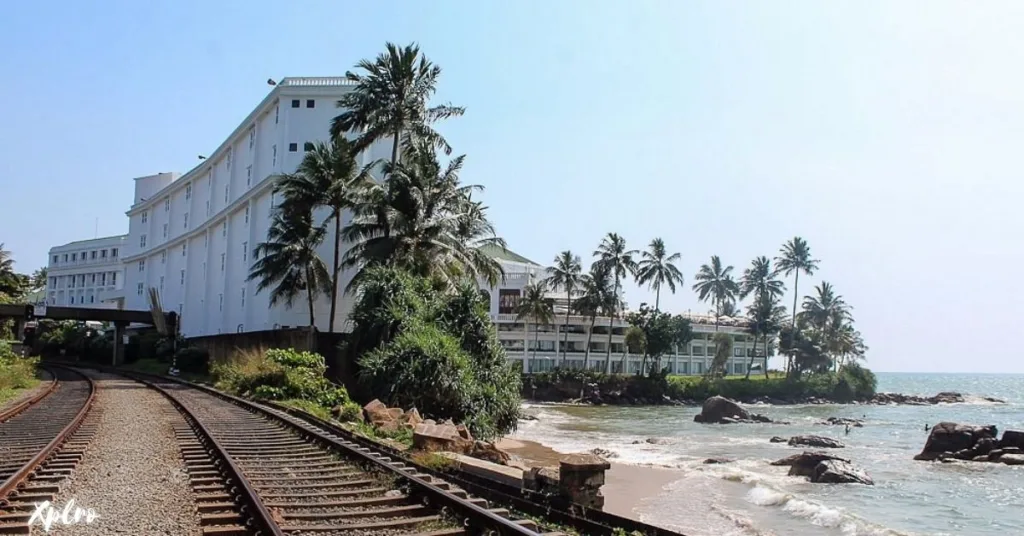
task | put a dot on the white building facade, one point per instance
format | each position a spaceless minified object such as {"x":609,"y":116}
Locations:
{"x":192,"y":236}
{"x":521,"y":339}
{"x":86,"y":273}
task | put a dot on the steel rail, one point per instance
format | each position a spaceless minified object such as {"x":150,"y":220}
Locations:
{"x":22,"y":474}
{"x":30,"y":401}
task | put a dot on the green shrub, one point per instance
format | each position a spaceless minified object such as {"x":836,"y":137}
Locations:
{"x":279,"y":374}
{"x":421,"y":344}
{"x":350,"y":412}
{"x":16,"y":372}
{"x":192,"y":359}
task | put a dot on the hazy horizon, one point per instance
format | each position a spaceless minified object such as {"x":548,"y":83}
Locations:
{"x":885,"y":134}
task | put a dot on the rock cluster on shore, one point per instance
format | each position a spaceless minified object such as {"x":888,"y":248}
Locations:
{"x":815,"y":441}
{"x":946,"y":397}
{"x":824,"y":468}
{"x":721,"y":410}
{"x":954,"y":441}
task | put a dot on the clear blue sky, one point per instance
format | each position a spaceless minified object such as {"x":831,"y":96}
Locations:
{"x":889,"y":134}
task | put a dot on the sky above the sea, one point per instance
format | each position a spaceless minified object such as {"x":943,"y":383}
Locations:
{"x":888,"y":134}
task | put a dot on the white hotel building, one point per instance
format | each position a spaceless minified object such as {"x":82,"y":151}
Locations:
{"x":192,"y":236}
{"x":518,"y":338}
{"x":87,"y":273}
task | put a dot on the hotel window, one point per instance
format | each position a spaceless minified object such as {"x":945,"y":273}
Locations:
{"x":248,"y":176}
{"x":308,"y":146}
{"x":184,"y":249}
{"x":226,"y":193}
{"x":113,"y":253}
{"x":186,"y":220}
{"x":183,"y":277}
{"x":103,"y":254}
{"x":71,"y":282}
{"x":92,"y":279}
{"x":252,"y":137}
{"x":65,"y":257}
{"x":245,"y":251}
{"x":56,"y":259}
{"x":165,"y":230}
{"x":142,"y":241}
{"x":224,"y":228}
{"x":145,"y":216}
{"x":222,"y":262}
{"x":220,"y":302}
{"x":138,"y":289}
{"x":207,"y":207}
{"x":243,"y":297}
{"x":103,"y":279}
{"x":81,"y":280}
{"x":310,"y":103}
{"x":142,"y":265}
{"x":163,"y":257}
{"x":292,"y":147}
{"x":698,"y":350}
{"x":229,"y":159}
{"x":188,"y":191}
{"x":507,"y":301}
{"x":72,"y":300}
{"x":161,"y":284}
{"x":167,"y":204}
{"x":247,"y":215}
{"x":277,"y":113}
{"x":737,"y":352}
{"x":74,"y":257}
{"x":113,"y":278}
{"x":92,"y":254}
{"x":709,"y":351}
{"x":273,"y":151}
{"x":92,"y":299}
{"x":295,"y":103}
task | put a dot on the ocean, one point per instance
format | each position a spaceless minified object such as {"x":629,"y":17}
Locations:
{"x":749,"y":497}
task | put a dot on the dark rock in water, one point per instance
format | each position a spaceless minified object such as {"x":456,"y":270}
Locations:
{"x":947,"y":398}
{"x":778,"y":439}
{"x":993,"y":399}
{"x":711,"y":461}
{"x":721,"y":410}
{"x":839,"y":472}
{"x":1012,"y":438}
{"x":952,"y":439}
{"x":527,"y":417}
{"x":995,"y":454}
{"x":1012,"y":459}
{"x":657,"y":441}
{"x":815,"y":441}
{"x":843,"y":421}
{"x":803,"y":464}
{"x":604,"y":453}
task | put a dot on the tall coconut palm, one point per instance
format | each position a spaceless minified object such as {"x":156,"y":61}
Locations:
{"x":328,"y":176}
{"x":760,"y":280}
{"x":288,"y":260}
{"x":765,"y":317}
{"x":596,"y":292}
{"x":566,"y":274}
{"x":826,"y":312}
{"x":422,"y":219}
{"x":657,"y":268}
{"x":715,"y":284}
{"x":794,"y":258}
{"x":9,"y":281}
{"x":620,"y":263}
{"x":390,"y":99}
{"x":534,"y":306}
{"x":38,"y":279}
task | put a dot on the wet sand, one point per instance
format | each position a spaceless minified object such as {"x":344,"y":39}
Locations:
{"x":626,"y":486}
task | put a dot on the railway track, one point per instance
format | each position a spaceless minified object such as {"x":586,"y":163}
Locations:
{"x":41,"y":441}
{"x":268,"y":472}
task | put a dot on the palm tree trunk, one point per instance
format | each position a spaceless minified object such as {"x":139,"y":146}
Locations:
{"x":753,"y":354}
{"x":394,"y":147}
{"x":765,"y":339}
{"x":608,"y":353}
{"x":335,"y":273}
{"x":536,"y":340}
{"x":309,"y":296}
{"x":657,"y":297}
{"x":565,"y":328}
{"x":792,"y":325}
{"x":590,"y":334}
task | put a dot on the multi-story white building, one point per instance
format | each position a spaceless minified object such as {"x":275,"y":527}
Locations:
{"x":87,"y":273}
{"x":192,"y":236}
{"x":519,"y":339}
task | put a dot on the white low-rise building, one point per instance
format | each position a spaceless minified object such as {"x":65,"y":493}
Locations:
{"x":540,"y":348}
{"x":86,"y":273}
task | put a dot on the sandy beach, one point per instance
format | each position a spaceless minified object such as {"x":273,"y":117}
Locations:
{"x":626,"y":486}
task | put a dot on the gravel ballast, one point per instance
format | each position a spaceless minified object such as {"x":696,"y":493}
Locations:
{"x":132,"y":473}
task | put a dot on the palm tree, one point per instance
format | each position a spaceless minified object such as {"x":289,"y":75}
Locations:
{"x":328,"y":176}
{"x":715,"y":284}
{"x":288,"y":260}
{"x":536,"y":307}
{"x":423,"y":220}
{"x":9,"y":281}
{"x":38,"y":279}
{"x":759,"y":280}
{"x":795,"y":257}
{"x":614,"y":257}
{"x":597,"y":290}
{"x":826,"y":312}
{"x":390,"y":99}
{"x":656,"y":268}
{"x":565,"y":274}
{"x":765,"y":317}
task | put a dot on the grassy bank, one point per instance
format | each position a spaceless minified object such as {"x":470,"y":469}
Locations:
{"x":853,"y":383}
{"x":17,"y":374}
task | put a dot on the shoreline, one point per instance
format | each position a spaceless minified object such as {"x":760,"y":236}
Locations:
{"x":880,"y":399}
{"x":626,"y":485}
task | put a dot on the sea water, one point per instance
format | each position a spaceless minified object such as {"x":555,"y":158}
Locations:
{"x":751,"y":497}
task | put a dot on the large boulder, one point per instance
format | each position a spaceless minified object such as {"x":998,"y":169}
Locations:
{"x":488,"y":451}
{"x":721,"y":410}
{"x":950,"y":439}
{"x":843,"y":421}
{"x":1012,"y":459}
{"x":440,"y":437}
{"x":777,"y":439}
{"x":815,"y":441}
{"x":1012,"y":438}
{"x":803,"y":464}
{"x":376,"y":412}
{"x":839,"y":472}
{"x":947,"y":398}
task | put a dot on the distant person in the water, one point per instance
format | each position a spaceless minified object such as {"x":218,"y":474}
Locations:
{"x":847,"y":429}
{"x":926,"y":427}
